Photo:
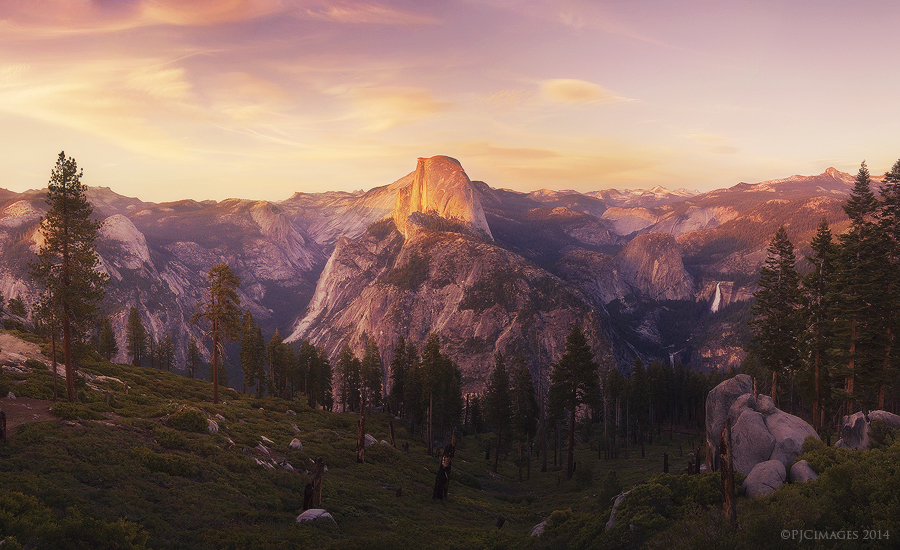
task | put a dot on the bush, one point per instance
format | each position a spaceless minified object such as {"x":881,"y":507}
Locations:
{"x":172,"y":465}
{"x":189,"y":419}
{"x":610,"y":488}
{"x":74,"y":411}
{"x":170,"y":439}
{"x":584,"y":477}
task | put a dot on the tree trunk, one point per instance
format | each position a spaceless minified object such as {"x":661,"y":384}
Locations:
{"x":67,"y":354}
{"x":53,"y":351}
{"x":520,"y":460}
{"x":215,"y":362}
{"x":570,"y":466}
{"x":430,"y":435}
{"x":816,"y":424}
{"x":775,"y":387}
{"x":361,"y":431}
{"x":497,"y":454}
{"x":316,"y":500}
{"x":727,"y":468}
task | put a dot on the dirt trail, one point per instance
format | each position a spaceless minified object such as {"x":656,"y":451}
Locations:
{"x":24,"y":409}
{"x":13,"y":354}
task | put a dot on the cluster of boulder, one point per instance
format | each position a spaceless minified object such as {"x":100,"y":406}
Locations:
{"x":764,"y":439}
{"x":856,"y":429}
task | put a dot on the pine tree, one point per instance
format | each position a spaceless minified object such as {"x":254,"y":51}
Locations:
{"x":281,"y":361}
{"x":167,"y":353}
{"x":135,"y":337}
{"x":524,"y":407}
{"x":573,"y":382}
{"x":775,"y":313}
{"x":348,"y":368}
{"x":193,"y":358}
{"x":253,"y":354}
{"x":400,"y":370}
{"x":152,"y":350}
{"x":816,"y":321}
{"x":888,"y":219}
{"x":497,"y":402}
{"x":855,"y":299}
{"x":222,"y":313}
{"x":17,"y":306}
{"x":66,"y":263}
{"x":106,"y":341}
{"x":371,"y":372}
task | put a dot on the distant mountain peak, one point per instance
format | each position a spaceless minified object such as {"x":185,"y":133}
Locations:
{"x":439,"y":186}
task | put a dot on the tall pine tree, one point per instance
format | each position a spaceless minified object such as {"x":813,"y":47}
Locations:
{"x":67,"y":262}
{"x":816,"y":321}
{"x":497,"y":402}
{"x":776,"y":318}
{"x":223,"y":315}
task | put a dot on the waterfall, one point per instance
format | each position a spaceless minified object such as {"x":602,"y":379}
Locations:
{"x":717,"y":300}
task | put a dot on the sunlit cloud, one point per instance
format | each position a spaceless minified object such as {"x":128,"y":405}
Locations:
{"x":207,"y":12}
{"x":167,"y":84}
{"x":570,"y":90}
{"x":367,"y":13}
{"x":484,"y":148}
{"x":714,"y":143}
{"x":387,"y":107}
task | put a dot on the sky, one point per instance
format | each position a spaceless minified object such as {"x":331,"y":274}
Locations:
{"x":212,"y":99}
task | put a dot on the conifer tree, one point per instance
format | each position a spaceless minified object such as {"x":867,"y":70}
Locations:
{"x":222,"y":313}
{"x":573,"y":382}
{"x":524,"y":406}
{"x":106,"y":341}
{"x":816,"y":321}
{"x":371,"y":372}
{"x":400,"y":370}
{"x":497,"y":405}
{"x":193,"y":358}
{"x":348,"y":368}
{"x":167,"y":353}
{"x":888,"y":219}
{"x":776,"y":310}
{"x":17,"y":306}
{"x":253,"y":354}
{"x":66,"y":262}
{"x":135,"y":337}
{"x":855,"y":298}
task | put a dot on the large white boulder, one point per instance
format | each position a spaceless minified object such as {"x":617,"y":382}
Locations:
{"x":790,"y":432}
{"x":764,"y":478}
{"x":751,"y":441}
{"x":316,"y":516}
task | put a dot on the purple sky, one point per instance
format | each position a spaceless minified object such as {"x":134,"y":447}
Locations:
{"x":166,"y":99}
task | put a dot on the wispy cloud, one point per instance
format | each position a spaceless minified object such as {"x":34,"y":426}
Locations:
{"x":367,"y":13}
{"x":713,"y":143}
{"x":571,"y":90}
{"x":387,"y":107}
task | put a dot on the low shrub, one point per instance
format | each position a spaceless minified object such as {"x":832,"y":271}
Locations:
{"x":189,"y":419}
{"x":74,"y":411}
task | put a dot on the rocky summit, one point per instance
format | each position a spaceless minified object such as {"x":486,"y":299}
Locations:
{"x":651,"y":274}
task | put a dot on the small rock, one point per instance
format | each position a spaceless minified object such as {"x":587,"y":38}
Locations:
{"x":220,"y":417}
{"x":538,"y":529}
{"x":286,"y":465}
{"x":296,"y":429}
{"x":802,"y":472}
{"x":262,"y":448}
{"x":266,"y":440}
{"x":292,"y":413}
{"x":383,"y":442}
{"x":370,"y":440}
{"x":213,"y":426}
{"x":316,"y":516}
{"x":296,"y":444}
{"x":11,"y":395}
{"x":612,"y":515}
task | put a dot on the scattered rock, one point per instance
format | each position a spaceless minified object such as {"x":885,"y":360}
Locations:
{"x":290,"y":412}
{"x":10,"y":395}
{"x":802,"y":472}
{"x":213,"y":426}
{"x":612,"y":515}
{"x":538,"y":529}
{"x":296,"y":444}
{"x":266,"y":440}
{"x":856,"y":429}
{"x":262,"y":448}
{"x":220,"y":417}
{"x":316,"y":516}
{"x":296,"y":429}
{"x":383,"y":442}
{"x":764,"y":478}
{"x":370,"y":440}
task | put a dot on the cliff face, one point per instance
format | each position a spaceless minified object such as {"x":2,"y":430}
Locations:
{"x":478,"y":297}
{"x":441,"y":187}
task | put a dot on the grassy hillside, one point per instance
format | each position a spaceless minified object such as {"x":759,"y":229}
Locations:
{"x":143,"y":469}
